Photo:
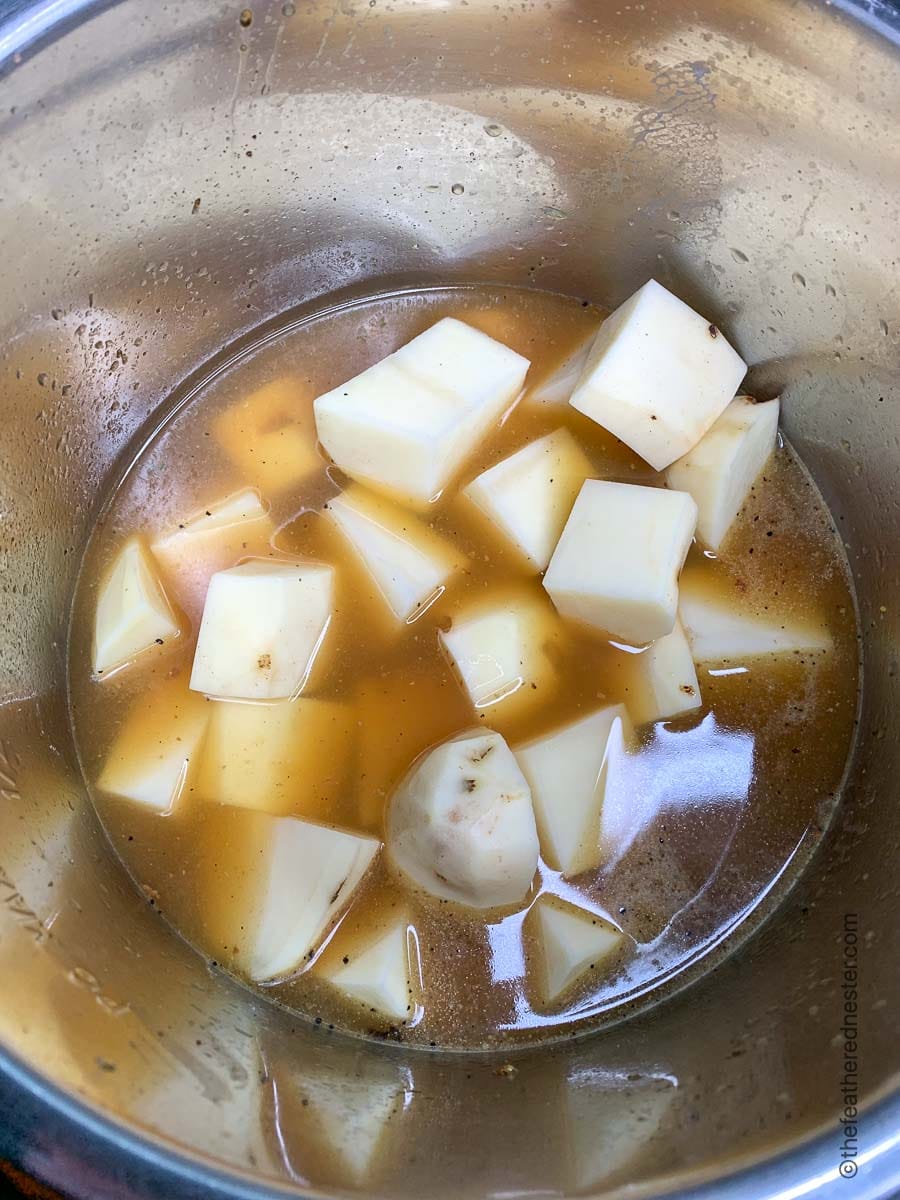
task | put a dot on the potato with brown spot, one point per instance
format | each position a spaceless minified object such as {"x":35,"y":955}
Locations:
{"x":461,"y":825}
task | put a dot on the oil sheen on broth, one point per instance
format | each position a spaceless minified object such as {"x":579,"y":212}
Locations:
{"x":718,"y":810}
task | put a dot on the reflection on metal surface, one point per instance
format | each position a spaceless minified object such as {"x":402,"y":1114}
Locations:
{"x":610,"y":1119}
{"x":688,"y":771}
{"x":336,"y":1129}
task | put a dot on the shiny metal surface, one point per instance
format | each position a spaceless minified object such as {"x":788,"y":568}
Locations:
{"x":746,"y":154}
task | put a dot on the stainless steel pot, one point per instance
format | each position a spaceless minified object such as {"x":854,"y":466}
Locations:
{"x":174,"y":176}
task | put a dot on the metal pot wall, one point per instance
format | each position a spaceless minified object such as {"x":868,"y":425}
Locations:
{"x":175,"y":175}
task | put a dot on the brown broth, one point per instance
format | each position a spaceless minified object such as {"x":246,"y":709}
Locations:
{"x":732,"y":799}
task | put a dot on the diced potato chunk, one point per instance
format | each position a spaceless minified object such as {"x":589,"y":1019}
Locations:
{"x":382,"y":973}
{"x":263,"y":624}
{"x":214,"y":538}
{"x":132,"y":610}
{"x":616,"y":565}
{"x":573,"y":942}
{"x":407,"y":424}
{"x":556,"y":388}
{"x":461,"y":825}
{"x":567,"y":771}
{"x":476,"y":370}
{"x":658,"y":375}
{"x":287,"y":758}
{"x":270,"y":436}
{"x":499,"y":651}
{"x":309,"y":875}
{"x":529,"y":495}
{"x":409,"y":563}
{"x":722,"y":468}
{"x":661,"y":681}
{"x":719,"y":634}
{"x":154,"y":756}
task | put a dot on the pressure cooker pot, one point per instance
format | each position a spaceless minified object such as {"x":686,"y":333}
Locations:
{"x":177,"y":180}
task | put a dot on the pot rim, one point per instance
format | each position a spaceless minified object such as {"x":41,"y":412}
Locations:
{"x":808,"y":1169}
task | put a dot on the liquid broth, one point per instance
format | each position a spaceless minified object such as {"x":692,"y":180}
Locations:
{"x":725,"y":803}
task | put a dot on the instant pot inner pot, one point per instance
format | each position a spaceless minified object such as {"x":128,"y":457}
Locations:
{"x":175,"y":177}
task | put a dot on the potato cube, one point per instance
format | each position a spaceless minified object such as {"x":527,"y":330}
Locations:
{"x":557,"y":386}
{"x":658,"y":375}
{"x":381,"y":975}
{"x":722,"y":468}
{"x":216,"y":537}
{"x":474,"y":368}
{"x":499,"y":651}
{"x":292,"y":757}
{"x":568,"y":771}
{"x":270,"y":436}
{"x":461,"y":825}
{"x":407,"y":424}
{"x":387,"y":429}
{"x":132,"y":610}
{"x":409,"y":563}
{"x":529,"y":495}
{"x":263,"y":624}
{"x":573,"y":942}
{"x":718,"y":633}
{"x":661,"y":681}
{"x":617,"y":563}
{"x":153,"y":759}
{"x":307,"y":875}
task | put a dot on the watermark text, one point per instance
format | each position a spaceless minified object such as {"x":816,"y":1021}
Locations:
{"x":849,"y":1042}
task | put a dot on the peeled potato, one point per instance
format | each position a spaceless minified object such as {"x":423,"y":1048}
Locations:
{"x":461,"y":825}
{"x":270,"y":437}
